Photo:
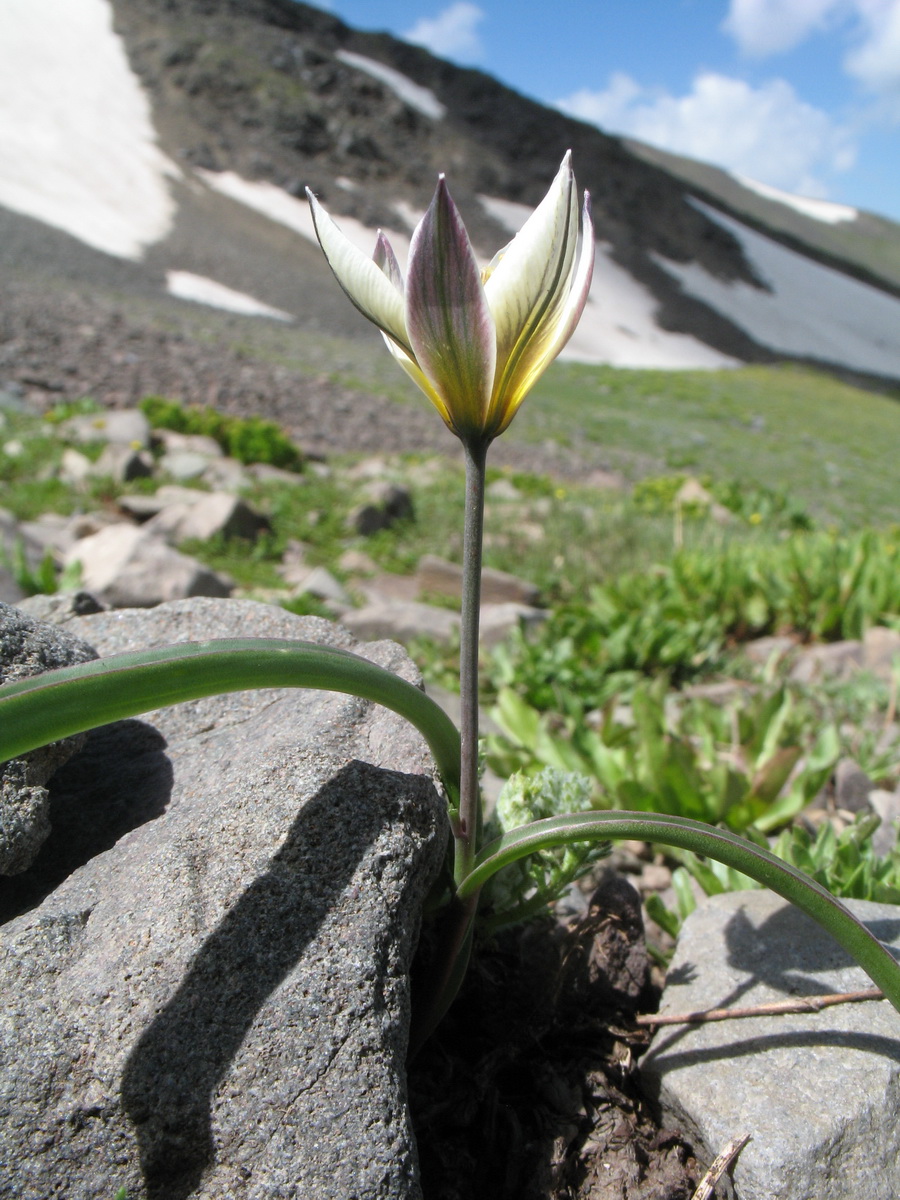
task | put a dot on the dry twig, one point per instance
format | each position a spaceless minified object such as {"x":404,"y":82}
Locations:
{"x":800,"y":1005}
{"x":719,"y":1167}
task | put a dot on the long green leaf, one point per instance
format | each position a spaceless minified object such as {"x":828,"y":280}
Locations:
{"x":44,"y":708}
{"x":718,"y":844}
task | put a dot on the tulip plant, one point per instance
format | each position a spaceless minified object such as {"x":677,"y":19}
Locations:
{"x":475,"y":341}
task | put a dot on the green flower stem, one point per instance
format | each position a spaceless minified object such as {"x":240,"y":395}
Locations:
{"x":44,"y":708}
{"x":719,"y":844}
{"x":469,"y":807}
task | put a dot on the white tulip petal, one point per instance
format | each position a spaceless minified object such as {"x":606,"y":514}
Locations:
{"x":368,"y":287}
{"x":581,"y":282}
{"x":533,"y":276}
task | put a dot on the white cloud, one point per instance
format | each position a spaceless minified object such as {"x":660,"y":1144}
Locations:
{"x":876,"y":62}
{"x":762,"y":27}
{"x":769,"y":26}
{"x":768,"y":132}
{"x":452,"y":33}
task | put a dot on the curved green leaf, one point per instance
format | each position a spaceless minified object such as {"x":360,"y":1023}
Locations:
{"x":44,"y":708}
{"x":718,"y":844}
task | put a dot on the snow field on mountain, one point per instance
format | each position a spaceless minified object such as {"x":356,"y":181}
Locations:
{"x":77,"y":145}
{"x":806,"y":309}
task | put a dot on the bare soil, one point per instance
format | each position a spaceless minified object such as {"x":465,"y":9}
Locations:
{"x":530,"y":1089}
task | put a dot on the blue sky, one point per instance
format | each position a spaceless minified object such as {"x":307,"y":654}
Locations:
{"x":803,"y":95}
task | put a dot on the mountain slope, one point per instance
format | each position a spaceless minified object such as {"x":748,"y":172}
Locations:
{"x":250,"y":100}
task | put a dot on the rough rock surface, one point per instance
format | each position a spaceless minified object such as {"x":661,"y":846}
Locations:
{"x":817,"y":1092}
{"x":28,"y":647}
{"x":205,"y":990}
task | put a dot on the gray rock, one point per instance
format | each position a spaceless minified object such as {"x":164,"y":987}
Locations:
{"x":213,"y":1000}
{"x":499,"y":620}
{"x":402,"y":620}
{"x":762,"y":650}
{"x":10,"y":592}
{"x":881,"y":651}
{"x":435,"y":574}
{"x":28,"y":647}
{"x":226,"y":475}
{"x":321,"y":583}
{"x":838,"y":660}
{"x":266,"y":473}
{"x":125,"y":427}
{"x":210,"y":514}
{"x":887,"y":806}
{"x":816,"y":1092}
{"x":124,"y":463}
{"x":16,"y":541}
{"x":61,"y":607}
{"x":125,"y":567}
{"x":196,"y":443}
{"x":503,"y":489}
{"x":183,"y":464}
{"x":74,"y":467}
{"x":385,"y":505}
{"x":851,"y":786}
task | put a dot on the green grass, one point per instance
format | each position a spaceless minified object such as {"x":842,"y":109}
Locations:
{"x":832,"y":446}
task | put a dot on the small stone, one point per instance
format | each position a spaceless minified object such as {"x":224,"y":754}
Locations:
{"x":213,"y":514}
{"x":881,"y":651}
{"x":183,"y":464}
{"x":385,"y":505}
{"x":503,"y":489}
{"x":499,"y":620}
{"x":887,"y":805}
{"x":438,"y":576}
{"x":839,"y":660}
{"x":126,"y":427}
{"x":320,"y":583}
{"x":123,"y":463}
{"x":74,"y":467}
{"x":125,"y":567}
{"x":402,"y":621}
{"x":851,"y":786}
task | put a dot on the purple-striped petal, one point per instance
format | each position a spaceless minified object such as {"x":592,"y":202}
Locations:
{"x":447,"y":316}
{"x":385,"y":260}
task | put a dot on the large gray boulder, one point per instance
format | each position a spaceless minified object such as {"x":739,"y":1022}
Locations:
{"x":816,"y":1092}
{"x":206,"y":991}
{"x":29,"y":647}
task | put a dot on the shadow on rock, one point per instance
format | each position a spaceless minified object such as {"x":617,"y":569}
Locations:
{"x":172,"y":1074}
{"x":120,"y":779}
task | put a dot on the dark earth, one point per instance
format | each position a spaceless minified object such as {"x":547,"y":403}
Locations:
{"x":530,"y":1089}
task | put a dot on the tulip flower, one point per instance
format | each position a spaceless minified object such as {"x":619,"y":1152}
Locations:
{"x":474,"y":341}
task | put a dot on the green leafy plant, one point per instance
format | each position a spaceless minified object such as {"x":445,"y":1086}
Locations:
{"x":750,"y":763}
{"x":248,"y":439}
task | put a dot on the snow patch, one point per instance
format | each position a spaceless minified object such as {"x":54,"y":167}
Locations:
{"x":276,"y":204}
{"x":186,"y":286}
{"x":618,"y":324}
{"x":77,"y":145}
{"x":819,"y":210}
{"x":422,"y":99}
{"x":810,"y":311}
